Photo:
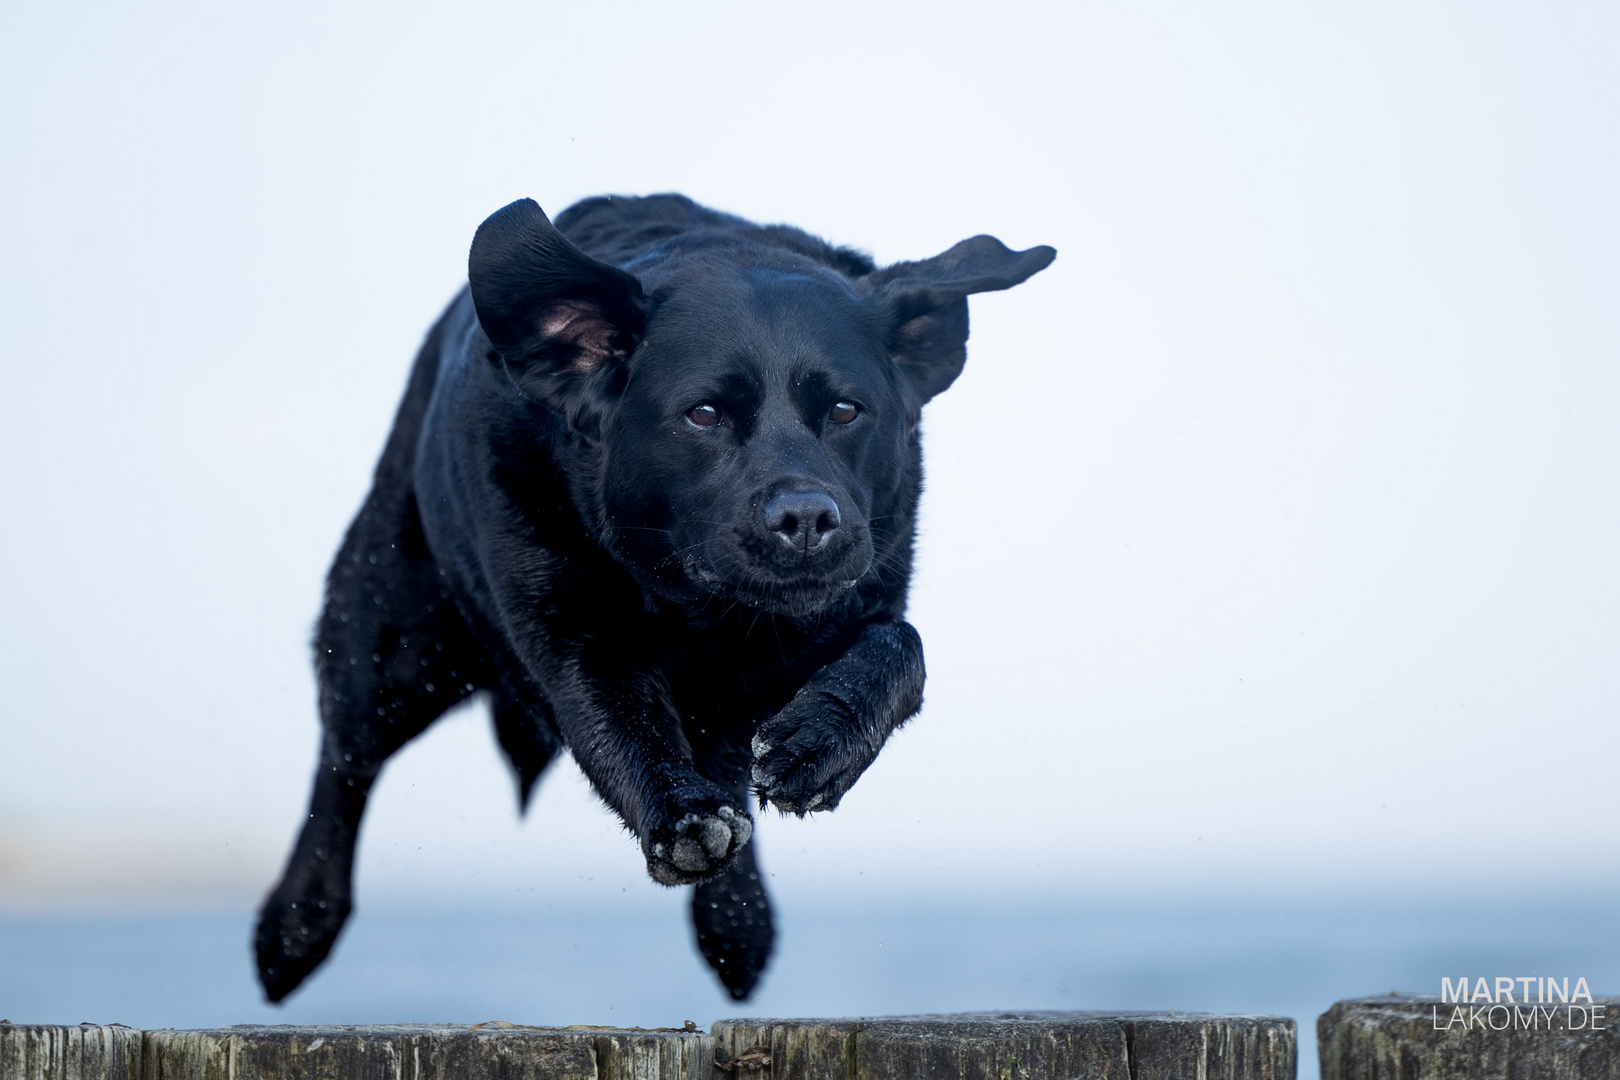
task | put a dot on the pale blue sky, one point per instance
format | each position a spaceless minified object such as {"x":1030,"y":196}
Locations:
{"x":1269,"y":536}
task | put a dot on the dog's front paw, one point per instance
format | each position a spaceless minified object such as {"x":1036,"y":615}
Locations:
{"x":809,"y":754}
{"x":698,"y":836}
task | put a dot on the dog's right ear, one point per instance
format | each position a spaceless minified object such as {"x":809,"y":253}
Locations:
{"x":556,"y":316}
{"x":926,"y":304}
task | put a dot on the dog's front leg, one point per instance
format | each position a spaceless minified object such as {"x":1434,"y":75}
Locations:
{"x":809,"y":754}
{"x":625,"y":735}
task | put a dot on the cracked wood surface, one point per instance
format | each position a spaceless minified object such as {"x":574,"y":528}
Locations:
{"x":1411,"y":1037}
{"x":992,"y":1046}
{"x":1023,"y":1046}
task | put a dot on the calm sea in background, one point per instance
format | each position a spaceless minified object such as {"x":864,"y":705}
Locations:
{"x":630,"y":963}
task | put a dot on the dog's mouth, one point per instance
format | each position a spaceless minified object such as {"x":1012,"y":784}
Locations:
{"x":735,"y":577}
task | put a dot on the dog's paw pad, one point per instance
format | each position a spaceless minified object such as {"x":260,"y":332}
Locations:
{"x":689,"y":856}
{"x":738,"y":826}
{"x":698,"y":844}
{"x":715,"y":837}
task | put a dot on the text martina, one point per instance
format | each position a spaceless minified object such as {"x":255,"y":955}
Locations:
{"x":1542,"y":1003}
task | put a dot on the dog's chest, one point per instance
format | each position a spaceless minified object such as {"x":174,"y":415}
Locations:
{"x":728,"y":679}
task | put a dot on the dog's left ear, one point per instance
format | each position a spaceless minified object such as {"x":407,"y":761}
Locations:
{"x":556,"y":316}
{"x":925,"y":304}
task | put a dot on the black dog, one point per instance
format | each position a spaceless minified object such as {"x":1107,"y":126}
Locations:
{"x":653,"y":486}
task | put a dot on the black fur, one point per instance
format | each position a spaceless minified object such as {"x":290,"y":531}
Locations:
{"x":653,"y":487}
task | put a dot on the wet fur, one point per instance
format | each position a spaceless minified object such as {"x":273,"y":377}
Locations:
{"x":539,"y":530}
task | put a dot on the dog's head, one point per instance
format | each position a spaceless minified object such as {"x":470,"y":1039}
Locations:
{"x":750,"y":414}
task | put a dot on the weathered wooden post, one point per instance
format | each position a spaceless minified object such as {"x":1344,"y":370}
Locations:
{"x":80,"y":1052}
{"x":1022,"y":1046}
{"x":973,"y":1046}
{"x":1408,"y":1037}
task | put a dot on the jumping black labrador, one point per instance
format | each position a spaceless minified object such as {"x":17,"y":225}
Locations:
{"x":653,"y":486}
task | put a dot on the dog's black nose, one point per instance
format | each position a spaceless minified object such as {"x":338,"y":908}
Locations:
{"x":802,"y":519}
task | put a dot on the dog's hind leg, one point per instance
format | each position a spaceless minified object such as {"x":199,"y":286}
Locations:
{"x":731,"y":912}
{"x":391,"y":654}
{"x":731,"y":915}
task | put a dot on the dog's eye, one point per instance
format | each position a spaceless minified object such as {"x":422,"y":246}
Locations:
{"x":844,"y":412}
{"x":704,"y":415}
